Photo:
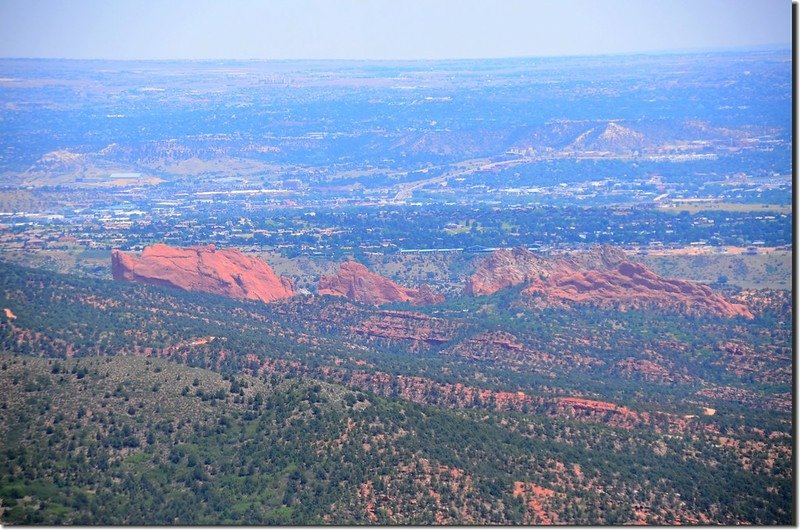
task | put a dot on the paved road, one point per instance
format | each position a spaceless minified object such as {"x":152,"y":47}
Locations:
{"x":406,"y":190}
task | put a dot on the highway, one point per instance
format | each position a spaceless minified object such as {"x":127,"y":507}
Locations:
{"x":407,"y":189}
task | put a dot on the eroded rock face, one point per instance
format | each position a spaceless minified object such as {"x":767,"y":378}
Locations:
{"x":601,"y":277}
{"x":356,"y":282}
{"x":207,"y":269}
{"x":417,"y":329}
{"x":505,"y":268}
{"x":633,"y":286}
{"x":647,"y":370}
{"x":508,"y":267}
{"x":504,"y":348}
{"x":610,"y":413}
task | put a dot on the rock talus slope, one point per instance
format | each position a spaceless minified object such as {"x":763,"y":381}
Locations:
{"x":226,"y":272}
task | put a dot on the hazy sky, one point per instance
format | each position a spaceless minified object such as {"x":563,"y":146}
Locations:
{"x":382,"y":29}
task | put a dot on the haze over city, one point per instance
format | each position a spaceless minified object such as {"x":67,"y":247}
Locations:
{"x":383,"y":29}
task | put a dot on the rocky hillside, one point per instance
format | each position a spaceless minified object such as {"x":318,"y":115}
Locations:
{"x":356,"y":282}
{"x":601,"y":277}
{"x":604,"y":403}
{"x":614,"y":138}
{"x":508,"y":267}
{"x":633,"y":286}
{"x":91,"y":441}
{"x":505,"y":268}
{"x":226,"y":272}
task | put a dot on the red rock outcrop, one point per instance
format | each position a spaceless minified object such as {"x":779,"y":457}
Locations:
{"x":490,"y":345}
{"x":743,"y":359}
{"x":501,"y":347}
{"x":356,"y":282}
{"x":601,"y":277}
{"x":603,"y":411}
{"x":598,"y":258}
{"x":226,"y":272}
{"x":647,"y":370}
{"x":505,"y":348}
{"x":427,"y":296}
{"x":505,"y":268}
{"x":633,"y":286}
{"x":419,"y":329}
{"x":536,"y":498}
{"x":508,"y":267}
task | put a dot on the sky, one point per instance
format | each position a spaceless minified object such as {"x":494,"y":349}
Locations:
{"x":383,"y":29}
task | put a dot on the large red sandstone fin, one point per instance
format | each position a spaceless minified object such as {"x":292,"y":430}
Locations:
{"x":601,"y":277}
{"x":632,"y":286}
{"x":356,"y":282}
{"x":226,"y":272}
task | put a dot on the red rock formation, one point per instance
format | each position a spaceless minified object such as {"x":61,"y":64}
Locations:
{"x":592,"y":405}
{"x":356,"y":282}
{"x":427,"y":296}
{"x":505,"y":268}
{"x":741,"y":359}
{"x":647,"y":370}
{"x":490,"y":345}
{"x":600,"y":277}
{"x":598,"y":258}
{"x":632,"y":286}
{"x":226,"y":272}
{"x":418,"y":328}
{"x":508,"y":267}
{"x":498,"y":346}
{"x":431,"y":392}
{"x":603,"y":411}
{"x":505,"y":348}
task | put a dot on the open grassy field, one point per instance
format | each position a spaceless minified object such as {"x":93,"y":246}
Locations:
{"x":771,"y":270}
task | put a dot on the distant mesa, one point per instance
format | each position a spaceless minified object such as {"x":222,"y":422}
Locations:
{"x":226,"y":272}
{"x":601,"y":277}
{"x":356,"y":282}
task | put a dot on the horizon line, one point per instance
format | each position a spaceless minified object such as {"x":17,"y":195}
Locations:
{"x":674,"y":51}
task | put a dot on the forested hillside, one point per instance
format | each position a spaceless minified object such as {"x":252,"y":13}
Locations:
{"x":145,"y":441}
{"x":132,"y":404}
